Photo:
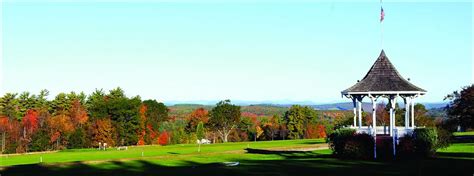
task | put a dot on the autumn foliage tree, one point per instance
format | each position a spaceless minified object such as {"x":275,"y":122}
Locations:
{"x":102,"y":131}
{"x":78,"y":113}
{"x":164,"y":138}
{"x":197,"y":116}
{"x":30,"y":122}
{"x":60,"y":125}
{"x":30,"y":125}
{"x":315,"y":131}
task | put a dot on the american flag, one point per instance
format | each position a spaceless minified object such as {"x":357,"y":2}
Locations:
{"x":382,"y":14}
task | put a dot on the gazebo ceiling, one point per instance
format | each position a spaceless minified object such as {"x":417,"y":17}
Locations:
{"x":383,"y":78}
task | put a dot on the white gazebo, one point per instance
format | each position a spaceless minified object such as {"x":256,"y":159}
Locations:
{"x":383,"y":80}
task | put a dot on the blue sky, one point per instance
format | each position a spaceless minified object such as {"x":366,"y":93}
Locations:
{"x":266,"y":51}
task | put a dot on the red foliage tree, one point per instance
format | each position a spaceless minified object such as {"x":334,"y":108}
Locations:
{"x":198,"y":115}
{"x":30,"y":122}
{"x":163,"y":139}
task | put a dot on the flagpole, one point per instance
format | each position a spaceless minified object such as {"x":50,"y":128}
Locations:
{"x":382,"y":15}
{"x":381,"y":35}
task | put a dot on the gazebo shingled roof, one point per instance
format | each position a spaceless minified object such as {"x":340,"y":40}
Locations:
{"x":383,"y":77}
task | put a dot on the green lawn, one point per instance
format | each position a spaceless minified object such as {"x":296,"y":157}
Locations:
{"x":457,"y":159}
{"x":148,"y":151}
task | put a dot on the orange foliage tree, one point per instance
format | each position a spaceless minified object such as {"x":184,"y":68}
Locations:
{"x":102,"y":131}
{"x":78,"y":113}
{"x":314,"y":131}
{"x":60,"y":125}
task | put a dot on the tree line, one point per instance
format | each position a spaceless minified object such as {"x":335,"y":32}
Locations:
{"x":31,"y":122}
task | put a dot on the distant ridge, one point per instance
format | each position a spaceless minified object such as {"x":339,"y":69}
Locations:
{"x":366,"y":106}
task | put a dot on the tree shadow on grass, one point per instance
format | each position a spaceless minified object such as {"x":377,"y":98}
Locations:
{"x":289,"y":154}
{"x":456,"y":155}
{"x":463,"y":139}
{"x":293,"y":163}
{"x":313,"y":142}
{"x":279,"y":152}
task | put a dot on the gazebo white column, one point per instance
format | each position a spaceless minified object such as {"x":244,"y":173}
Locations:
{"x":390,"y":113}
{"x":412,"y":102}
{"x":394,"y":112}
{"x":374,"y":113}
{"x":359,"y":104}
{"x":355,"y":110}
{"x":407,"y":112}
{"x":374,"y":124}
{"x":392,"y":100}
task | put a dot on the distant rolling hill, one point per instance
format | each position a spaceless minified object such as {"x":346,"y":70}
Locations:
{"x":181,"y":110}
{"x":367,"y":106}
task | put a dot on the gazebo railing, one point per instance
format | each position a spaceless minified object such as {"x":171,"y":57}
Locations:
{"x":383,"y":130}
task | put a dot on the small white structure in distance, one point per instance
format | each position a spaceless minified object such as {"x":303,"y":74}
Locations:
{"x":203,"y":141}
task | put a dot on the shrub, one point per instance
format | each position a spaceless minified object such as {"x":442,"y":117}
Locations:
{"x":345,"y":143}
{"x":338,"y":139}
{"x":426,"y":141}
{"x":423,"y":142}
{"x":359,"y":146}
{"x":444,"y":138}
